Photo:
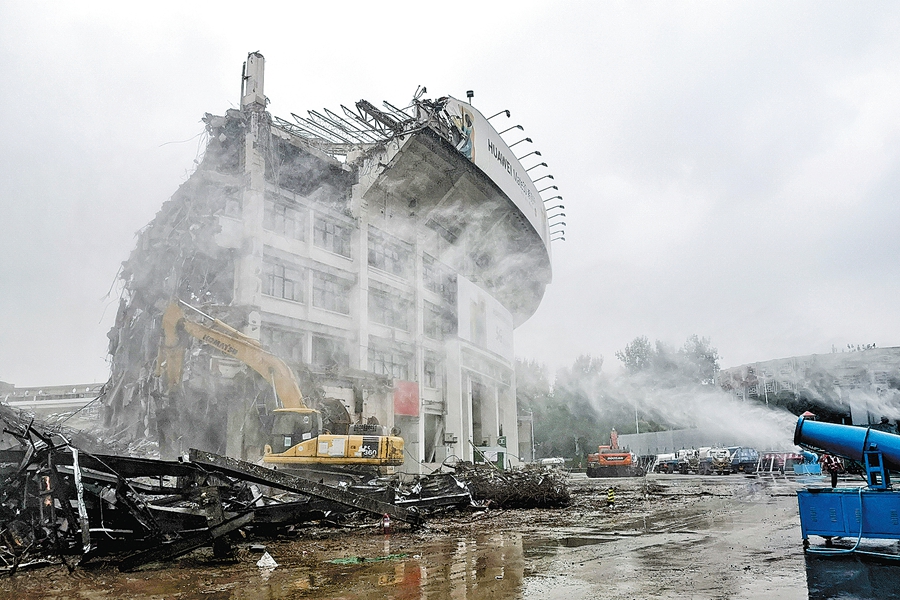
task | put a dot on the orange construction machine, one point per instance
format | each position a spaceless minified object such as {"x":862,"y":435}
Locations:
{"x":612,"y":461}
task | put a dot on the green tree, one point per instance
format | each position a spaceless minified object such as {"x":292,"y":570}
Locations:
{"x":701,"y":360}
{"x":638,"y":355}
{"x":576,"y":392}
{"x":697,"y":361}
{"x":532,"y":385}
{"x":566,"y":419}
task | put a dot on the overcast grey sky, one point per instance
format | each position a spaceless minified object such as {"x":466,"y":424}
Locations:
{"x":729,"y":169}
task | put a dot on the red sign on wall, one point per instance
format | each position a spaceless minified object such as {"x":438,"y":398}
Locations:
{"x":406,"y":398}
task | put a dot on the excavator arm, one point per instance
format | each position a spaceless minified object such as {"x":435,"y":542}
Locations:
{"x":295,"y":426}
{"x":229,"y":341}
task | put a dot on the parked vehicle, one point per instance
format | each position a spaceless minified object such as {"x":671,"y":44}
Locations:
{"x":743,"y":460}
{"x":778,"y":462}
{"x":715,"y":461}
{"x":665,"y":463}
{"x":688,"y":460}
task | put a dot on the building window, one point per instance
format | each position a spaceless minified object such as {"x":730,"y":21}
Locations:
{"x":331,"y":293}
{"x":286,"y":220}
{"x":392,"y":363}
{"x":448,"y":290}
{"x":328,"y":353}
{"x":437,"y":278}
{"x":233,"y":206}
{"x":389,"y":309}
{"x":287,"y":345}
{"x":389,"y":256}
{"x":431,"y":274}
{"x":332,"y":236}
{"x":432,"y":372}
{"x":433,"y":321}
{"x":438,"y":322}
{"x":283,"y":281}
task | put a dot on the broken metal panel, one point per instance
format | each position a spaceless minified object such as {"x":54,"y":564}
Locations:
{"x":258,"y":474}
{"x":288,"y":513}
{"x":185,"y":545}
{"x":60,"y":501}
{"x":82,"y":511}
{"x":130,"y":466}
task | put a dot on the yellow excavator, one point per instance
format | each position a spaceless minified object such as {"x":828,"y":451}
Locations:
{"x":297,"y":438}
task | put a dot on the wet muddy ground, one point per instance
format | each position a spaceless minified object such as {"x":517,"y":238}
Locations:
{"x":664,"y":536}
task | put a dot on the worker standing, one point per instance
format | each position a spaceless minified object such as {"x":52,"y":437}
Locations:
{"x":833,"y":465}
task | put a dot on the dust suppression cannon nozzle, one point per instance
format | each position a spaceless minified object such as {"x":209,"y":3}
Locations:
{"x":848,"y":441}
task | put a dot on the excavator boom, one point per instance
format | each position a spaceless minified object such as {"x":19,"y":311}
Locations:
{"x":296,"y":426}
{"x":230,"y":342}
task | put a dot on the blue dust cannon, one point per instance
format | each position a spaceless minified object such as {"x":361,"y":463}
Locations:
{"x":856,"y":513}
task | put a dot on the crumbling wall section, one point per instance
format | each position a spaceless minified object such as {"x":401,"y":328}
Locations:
{"x":176,"y":257}
{"x":186,"y":254}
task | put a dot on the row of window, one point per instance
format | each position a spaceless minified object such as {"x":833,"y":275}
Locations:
{"x":291,"y":222}
{"x":384,"y":252}
{"x":389,"y":362}
{"x":439,"y":322}
{"x":327,"y":352}
{"x":391,"y":309}
{"x":389,"y":254}
{"x":289,"y":282}
{"x":438,"y":279}
{"x":333,"y":293}
{"x":330,"y":352}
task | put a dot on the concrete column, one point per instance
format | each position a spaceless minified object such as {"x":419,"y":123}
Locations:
{"x":511,"y":416}
{"x":509,"y":420}
{"x":248,"y":264}
{"x":458,"y":397}
{"x":419,"y":336}
{"x":490,"y":414}
{"x":466,"y":403}
{"x":252,"y":89}
{"x":361,"y":250}
{"x":248,"y":282}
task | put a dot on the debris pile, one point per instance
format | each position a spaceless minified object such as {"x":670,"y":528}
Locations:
{"x":59,"y":503}
{"x":436,"y":491}
{"x":185,"y":253}
{"x":62,"y":503}
{"x":532,"y":487}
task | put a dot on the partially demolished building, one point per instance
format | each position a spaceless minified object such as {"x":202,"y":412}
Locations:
{"x":386,"y":254}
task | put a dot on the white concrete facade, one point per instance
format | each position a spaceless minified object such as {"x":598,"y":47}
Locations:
{"x":367,"y":283}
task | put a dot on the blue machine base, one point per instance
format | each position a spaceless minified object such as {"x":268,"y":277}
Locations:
{"x":837,"y":512}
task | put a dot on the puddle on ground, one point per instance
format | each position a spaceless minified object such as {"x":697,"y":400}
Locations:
{"x":470,"y":568}
{"x":578,"y":541}
{"x":851,"y":578}
{"x":500,"y":565}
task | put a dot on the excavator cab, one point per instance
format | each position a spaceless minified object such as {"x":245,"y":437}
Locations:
{"x":291,"y":426}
